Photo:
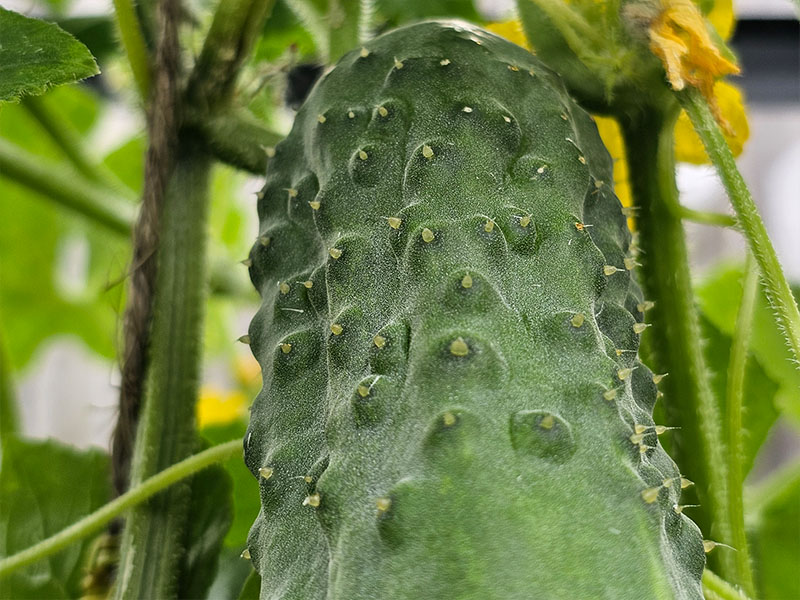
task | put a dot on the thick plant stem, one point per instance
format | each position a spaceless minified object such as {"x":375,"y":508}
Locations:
{"x":100,"y":204}
{"x":236,"y":138}
{"x":737,"y":368}
{"x":151,"y":545}
{"x":777,"y":288}
{"x":235,"y":28}
{"x":163,"y":121}
{"x":134,"y":45}
{"x":105,"y":514}
{"x":698,"y":447}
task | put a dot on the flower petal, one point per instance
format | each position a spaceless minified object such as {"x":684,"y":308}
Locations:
{"x":511,"y":30}
{"x":215,"y":407}
{"x":722,"y":18}
{"x":679,"y":37}
{"x":689,"y":148}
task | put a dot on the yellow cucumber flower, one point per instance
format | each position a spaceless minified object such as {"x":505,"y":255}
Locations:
{"x":730,"y":103}
{"x":722,"y":18}
{"x":679,"y":36}
{"x":512,"y":31}
{"x":612,"y":138}
{"x":218,"y":407}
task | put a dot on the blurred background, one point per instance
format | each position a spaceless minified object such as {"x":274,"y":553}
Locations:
{"x":71,"y":281}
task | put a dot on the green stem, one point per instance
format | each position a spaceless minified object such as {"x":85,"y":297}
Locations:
{"x":737,"y":369}
{"x":151,"y":548}
{"x":133,"y":42}
{"x":237,"y":139}
{"x":104,"y":206}
{"x":707,"y":218}
{"x":133,"y":497}
{"x":777,"y":288}
{"x":716,"y":588}
{"x":699,"y":446}
{"x":234,"y":29}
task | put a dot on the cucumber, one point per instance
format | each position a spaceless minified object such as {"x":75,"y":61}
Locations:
{"x":453,"y":405}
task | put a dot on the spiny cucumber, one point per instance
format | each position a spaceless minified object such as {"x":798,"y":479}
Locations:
{"x":453,"y":407}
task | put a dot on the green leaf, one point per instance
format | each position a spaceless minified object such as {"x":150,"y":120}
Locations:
{"x":282,"y":31}
{"x":759,"y":412}
{"x":44,"y":487}
{"x":231,"y":575}
{"x":55,"y":267}
{"x":346,"y":19}
{"x":775,"y":536}
{"x":211,"y":514}
{"x":35,"y":55}
{"x":40,"y":290}
{"x":9,"y":418}
{"x":56,"y":7}
{"x":127,"y":162}
{"x":252,"y":587}
{"x":398,"y":13}
{"x":719,"y":296}
{"x":97,"y":32}
{"x":77,"y":105}
{"x":245,"y":487}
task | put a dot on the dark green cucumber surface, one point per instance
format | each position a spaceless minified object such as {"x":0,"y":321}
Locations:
{"x":453,"y":407}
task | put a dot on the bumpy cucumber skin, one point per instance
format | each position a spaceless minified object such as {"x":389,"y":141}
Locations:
{"x":432,"y":435}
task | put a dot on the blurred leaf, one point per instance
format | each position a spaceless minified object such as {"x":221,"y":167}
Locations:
{"x":9,"y":417}
{"x":98,"y":33}
{"x":75,"y":104}
{"x":758,"y":408}
{"x":776,"y":537}
{"x":231,"y":575}
{"x":53,"y":273}
{"x":127,"y":162}
{"x":246,"y":500}
{"x":719,"y":296}
{"x":44,"y":487}
{"x":252,"y":587}
{"x":231,"y":212}
{"x":54,"y":266}
{"x":233,"y":231}
{"x":211,"y":514}
{"x":36,"y":55}
{"x":282,"y":31}
{"x":57,"y":7}
{"x":398,"y":13}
